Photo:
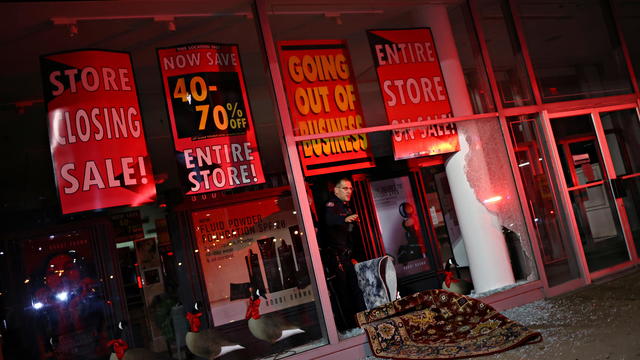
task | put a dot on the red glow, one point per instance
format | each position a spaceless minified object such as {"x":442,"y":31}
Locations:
{"x":170,"y":253}
{"x":492,"y":199}
{"x":139,"y":282}
{"x":163,"y":205}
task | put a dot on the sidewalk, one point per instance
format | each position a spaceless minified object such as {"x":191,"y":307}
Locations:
{"x":600,"y":321}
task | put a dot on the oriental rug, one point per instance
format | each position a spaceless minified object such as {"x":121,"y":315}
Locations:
{"x":438,"y":324}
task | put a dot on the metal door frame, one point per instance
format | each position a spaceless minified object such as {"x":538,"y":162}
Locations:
{"x":608,"y":175}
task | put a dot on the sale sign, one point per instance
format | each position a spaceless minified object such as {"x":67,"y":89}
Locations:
{"x":413,"y":90}
{"x":213,"y":132}
{"x":96,"y":135}
{"x":323,"y":98}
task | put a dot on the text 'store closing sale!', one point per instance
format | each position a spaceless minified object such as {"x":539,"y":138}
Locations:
{"x":96,"y":135}
{"x":213,"y":131}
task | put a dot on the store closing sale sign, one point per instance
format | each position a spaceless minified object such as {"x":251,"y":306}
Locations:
{"x":413,"y":90}
{"x":210,"y":117}
{"x":96,"y":135}
{"x":323,"y":98}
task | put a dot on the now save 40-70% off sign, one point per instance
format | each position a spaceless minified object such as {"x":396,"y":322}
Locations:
{"x":208,"y":104}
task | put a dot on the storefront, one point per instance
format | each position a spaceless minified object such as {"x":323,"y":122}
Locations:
{"x":169,"y":175}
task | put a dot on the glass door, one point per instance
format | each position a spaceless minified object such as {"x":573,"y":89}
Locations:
{"x":622,"y":134}
{"x":594,"y":189}
{"x":558,"y":256}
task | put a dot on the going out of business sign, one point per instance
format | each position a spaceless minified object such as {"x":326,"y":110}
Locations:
{"x":413,"y":90}
{"x":213,"y":131}
{"x":96,"y":134}
{"x":323,"y":98}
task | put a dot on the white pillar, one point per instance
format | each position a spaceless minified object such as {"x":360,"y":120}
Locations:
{"x":485,"y":245}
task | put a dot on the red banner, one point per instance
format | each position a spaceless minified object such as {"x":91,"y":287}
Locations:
{"x":213,"y":131}
{"x":323,"y":98}
{"x":96,"y":133}
{"x":413,"y":90}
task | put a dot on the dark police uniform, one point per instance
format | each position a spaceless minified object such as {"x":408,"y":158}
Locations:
{"x":339,"y":233}
{"x":337,"y":249}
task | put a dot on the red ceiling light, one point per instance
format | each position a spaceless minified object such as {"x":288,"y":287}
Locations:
{"x":73,"y":30}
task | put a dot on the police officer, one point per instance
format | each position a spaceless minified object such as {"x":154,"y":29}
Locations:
{"x":339,"y":224}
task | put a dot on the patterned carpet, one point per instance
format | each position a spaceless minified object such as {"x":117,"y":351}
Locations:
{"x":437,"y":324}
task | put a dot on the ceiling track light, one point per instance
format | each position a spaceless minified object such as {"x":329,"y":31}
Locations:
{"x":336,"y":16}
{"x":170,"y":20}
{"x":73,"y":30}
{"x":70,"y":23}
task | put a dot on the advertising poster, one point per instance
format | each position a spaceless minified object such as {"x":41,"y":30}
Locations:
{"x":210,"y":117}
{"x":150,"y":279}
{"x":253,"y":244}
{"x":96,"y":133}
{"x":127,"y":225}
{"x":323,"y":97}
{"x":413,"y":90}
{"x":398,"y":218}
